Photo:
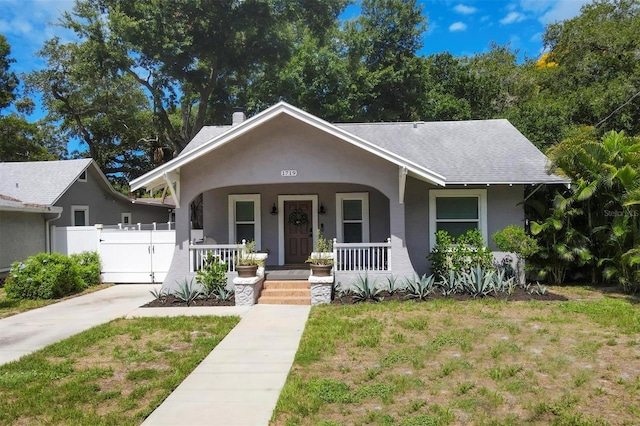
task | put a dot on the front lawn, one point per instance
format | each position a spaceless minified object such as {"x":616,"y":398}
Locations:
{"x":116,"y":373}
{"x":10,"y":307}
{"x":468,"y":362}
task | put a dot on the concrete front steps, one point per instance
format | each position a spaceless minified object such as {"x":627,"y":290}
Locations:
{"x":285,"y":293}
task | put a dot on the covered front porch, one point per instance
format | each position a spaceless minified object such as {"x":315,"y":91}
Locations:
{"x":285,"y":221}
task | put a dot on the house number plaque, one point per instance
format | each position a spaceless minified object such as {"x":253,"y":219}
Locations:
{"x":289,"y":173}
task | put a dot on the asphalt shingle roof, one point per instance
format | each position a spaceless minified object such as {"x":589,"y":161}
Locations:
{"x":473,"y":151}
{"x":39,"y":182}
{"x":476,"y":151}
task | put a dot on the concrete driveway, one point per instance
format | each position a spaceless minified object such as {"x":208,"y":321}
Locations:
{"x":27,"y":332}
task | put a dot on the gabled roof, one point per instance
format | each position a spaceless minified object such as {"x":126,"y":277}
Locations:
{"x":44,"y":182}
{"x":481,"y":151}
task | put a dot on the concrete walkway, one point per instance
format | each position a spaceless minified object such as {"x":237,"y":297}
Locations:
{"x":27,"y":332}
{"x":239,"y":382}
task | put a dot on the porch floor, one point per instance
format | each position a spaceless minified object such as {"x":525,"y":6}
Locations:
{"x":286,"y":273}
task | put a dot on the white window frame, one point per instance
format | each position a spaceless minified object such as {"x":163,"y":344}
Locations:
{"x":362,"y":196}
{"x":127,"y":215}
{"x":257,"y":227}
{"x":481,"y":194}
{"x":75,"y":209}
{"x":81,"y":178}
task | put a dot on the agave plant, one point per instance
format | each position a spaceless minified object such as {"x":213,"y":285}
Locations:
{"x":478,"y":282}
{"x":451,"y":283}
{"x":420,"y":287}
{"x":392,"y":284}
{"x":501,"y":284}
{"x":160,"y":295}
{"x":364,"y":290}
{"x":222,"y":294}
{"x":187,"y":292}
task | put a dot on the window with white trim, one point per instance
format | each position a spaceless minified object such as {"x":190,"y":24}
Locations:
{"x":79,"y":215}
{"x":83,"y":176}
{"x":352,"y":217}
{"x":244,"y":218}
{"x":457,"y":211}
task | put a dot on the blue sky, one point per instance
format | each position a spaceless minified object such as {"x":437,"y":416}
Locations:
{"x":460,"y":27}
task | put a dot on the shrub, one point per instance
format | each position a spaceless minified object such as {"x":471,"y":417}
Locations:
{"x":459,"y":254}
{"x":213,"y":274}
{"x":44,"y":276}
{"x":514,"y":239}
{"x":89,"y":266}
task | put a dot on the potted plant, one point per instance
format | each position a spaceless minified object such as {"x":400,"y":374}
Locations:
{"x":247,"y":260}
{"x":321,"y":260}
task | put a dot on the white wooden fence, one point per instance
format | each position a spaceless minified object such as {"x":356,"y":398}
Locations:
{"x":140,"y":253}
{"x":356,"y":257}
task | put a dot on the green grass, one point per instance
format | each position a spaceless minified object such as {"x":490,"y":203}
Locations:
{"x":10,"y":307}
{"x":116,"y":373}
{"x":484,"y":362}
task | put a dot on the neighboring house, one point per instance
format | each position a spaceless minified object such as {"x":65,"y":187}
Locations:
{"x":284,"y":173}
{"x":34,"y":196}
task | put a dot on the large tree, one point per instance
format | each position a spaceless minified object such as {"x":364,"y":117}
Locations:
{"x":595,"y":70}
{"x":19,"y":139}
{"x":382,"y":45}
{"x":178,"y":64}
{"x":8,"y":79}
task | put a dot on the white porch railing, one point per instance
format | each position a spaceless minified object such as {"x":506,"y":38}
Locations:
{"x":225,"y":252}
{"x":363,"y":257}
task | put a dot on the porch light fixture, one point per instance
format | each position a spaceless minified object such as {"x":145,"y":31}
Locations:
{"x":321,"y":210}
{"x":274,"y":209}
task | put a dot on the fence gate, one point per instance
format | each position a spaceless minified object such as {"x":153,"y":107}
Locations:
{"x":135,"y":256}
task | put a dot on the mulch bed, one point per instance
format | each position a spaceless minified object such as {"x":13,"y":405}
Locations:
{"x":172,"y":302}
{"x":519,"y":294}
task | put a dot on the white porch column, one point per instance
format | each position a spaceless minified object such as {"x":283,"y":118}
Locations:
{"x":179,"y":270}
{"x":400,"y":262}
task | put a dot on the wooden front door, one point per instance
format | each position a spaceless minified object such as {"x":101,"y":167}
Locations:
{"x":298,"y":231}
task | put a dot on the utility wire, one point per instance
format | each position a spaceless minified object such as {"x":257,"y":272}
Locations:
{"x":617,"y":109}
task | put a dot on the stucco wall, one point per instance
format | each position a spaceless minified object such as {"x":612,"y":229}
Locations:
{"x":21,"y":235}
{"x":104,"y":206}
{"x":216,"y":213}
{"x":502,"y":210}
{"x":288,"y":144}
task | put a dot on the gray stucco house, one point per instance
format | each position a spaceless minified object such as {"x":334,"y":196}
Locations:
{"x":34,"y":196}
{"x":381,"y":188}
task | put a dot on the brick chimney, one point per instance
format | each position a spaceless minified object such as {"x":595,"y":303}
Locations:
{"x":238,"y":116}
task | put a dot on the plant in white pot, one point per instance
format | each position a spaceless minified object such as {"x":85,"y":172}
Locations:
{"x":321,"y":260}
{"x":248,"y":260}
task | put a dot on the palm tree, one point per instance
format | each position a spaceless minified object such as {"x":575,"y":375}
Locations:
{"x":606,"y":176}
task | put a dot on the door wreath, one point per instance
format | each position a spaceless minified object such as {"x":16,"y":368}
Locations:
{"x":298,"y":218}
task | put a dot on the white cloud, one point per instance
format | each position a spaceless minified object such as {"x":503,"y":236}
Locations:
{"x":512,"y":18}
{"x":27,"y":24}
{"x":458,"y":26}
{"x":548,"y":11}
{"x":562,"y":10}
{"x":465,"y":10}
